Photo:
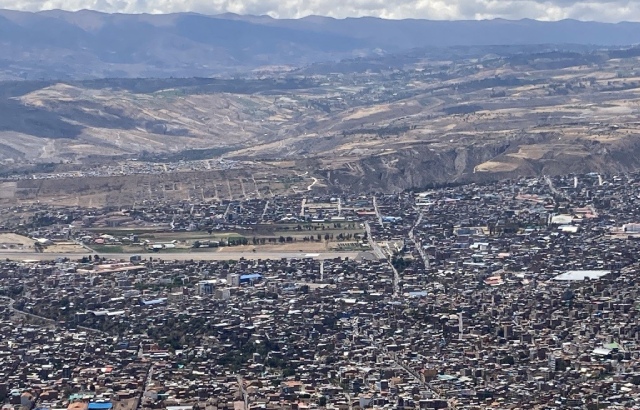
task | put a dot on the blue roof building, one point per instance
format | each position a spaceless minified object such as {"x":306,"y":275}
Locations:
{"x":100,"y":405}
{"x":252,"y":277}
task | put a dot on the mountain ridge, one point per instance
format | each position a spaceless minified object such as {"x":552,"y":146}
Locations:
{"x":86,"y":44}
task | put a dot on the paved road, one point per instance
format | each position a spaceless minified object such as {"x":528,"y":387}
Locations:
{"x":553,"y":189}
{"x":243,"y":392}
{"x":394,"y":358}
{"x":381,"y":256}
{"x":373,"y":244}
{"x":19,"y":312}
{"x":378,"y":215}
{"x":418,"y":244}
{"x":184,"y":256}
{"x":148,"y":380}
{"x":42,"y":318}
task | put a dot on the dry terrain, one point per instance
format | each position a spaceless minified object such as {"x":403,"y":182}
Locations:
{"x":409,"y":122}
{"x":65,"y":247}
{"x":15,"y":242}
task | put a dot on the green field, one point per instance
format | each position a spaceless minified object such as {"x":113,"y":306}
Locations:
{"x":268,"y":234}
{"x":258,"y":231}
{"x":109,"y":249}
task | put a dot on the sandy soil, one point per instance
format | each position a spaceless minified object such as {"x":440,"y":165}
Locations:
{"x":531,"y":152}
{"x":69,"y":247}
{"x":495,"y":166}
{"x":18,"y":241}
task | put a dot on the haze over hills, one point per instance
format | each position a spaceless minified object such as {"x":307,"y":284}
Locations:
{"x":383,"y":123}
{"x":87,"y":44}
{"x":91,"y":100}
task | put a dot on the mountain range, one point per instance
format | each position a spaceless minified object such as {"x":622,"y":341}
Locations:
{"x":87,"y":44}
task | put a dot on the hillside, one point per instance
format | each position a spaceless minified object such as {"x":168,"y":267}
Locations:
{"x":401,"y":122}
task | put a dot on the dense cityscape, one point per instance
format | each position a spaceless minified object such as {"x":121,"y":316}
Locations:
{"x":319,"y":205}
{"x":519,"y":294}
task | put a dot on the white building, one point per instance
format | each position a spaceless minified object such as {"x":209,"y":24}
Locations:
{"x":233,"y":279}
{"x":222,"y":294}
{"x":631,"y":228}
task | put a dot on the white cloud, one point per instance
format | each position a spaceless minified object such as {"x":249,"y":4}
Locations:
{"x":603,"y":10}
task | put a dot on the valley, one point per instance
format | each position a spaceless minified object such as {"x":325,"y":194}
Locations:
{"x":409,"y":122}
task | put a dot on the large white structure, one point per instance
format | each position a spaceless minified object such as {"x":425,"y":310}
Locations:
{"x":578,"y":275}
{"x":631,"y":228}
{"x":561,"y":220}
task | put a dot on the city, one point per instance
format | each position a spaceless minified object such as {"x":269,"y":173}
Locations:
{"x":516,"y":294}
{"x":319,"y":205}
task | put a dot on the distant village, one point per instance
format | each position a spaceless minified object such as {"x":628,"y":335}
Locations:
{"x":517,"y":294}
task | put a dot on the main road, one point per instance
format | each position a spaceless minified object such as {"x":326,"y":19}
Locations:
{"x":243,"y":392}
{"x":394,"y":358}
{"x":373,"y":244}
{"x":555,"y":190}
{"x":377,"y":210}
{"x":381,"y":256}
{"x":183,"y":256}
{"x":13,"y":310}
{"x":418,"y":244}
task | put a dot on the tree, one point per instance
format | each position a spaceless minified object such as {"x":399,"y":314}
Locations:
{"x":400,"y":263}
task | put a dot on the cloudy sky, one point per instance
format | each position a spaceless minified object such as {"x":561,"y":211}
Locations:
{"x":598,"y":10}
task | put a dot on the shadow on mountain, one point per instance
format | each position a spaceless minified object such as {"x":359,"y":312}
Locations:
{"x":10,"y":89}
{"x":35,"y":121}
{"x":97,"y":115}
